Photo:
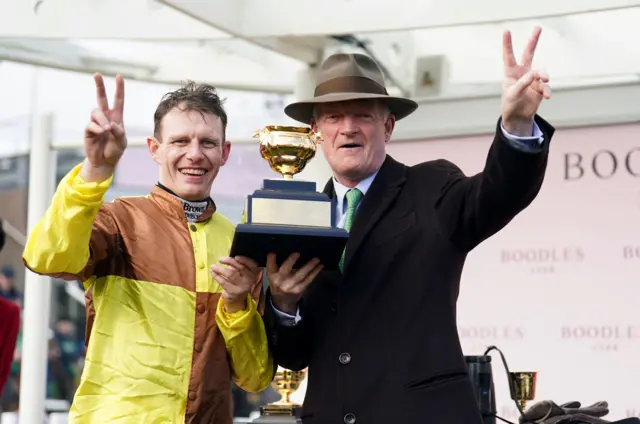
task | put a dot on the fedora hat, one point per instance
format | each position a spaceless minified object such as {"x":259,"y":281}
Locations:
{"x":349,"y":76}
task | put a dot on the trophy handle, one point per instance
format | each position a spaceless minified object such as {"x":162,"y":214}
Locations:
{"x":316,"y":137}
{"x":258,"y":134}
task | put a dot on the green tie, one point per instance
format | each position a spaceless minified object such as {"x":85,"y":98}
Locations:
{"x":353,"y":198}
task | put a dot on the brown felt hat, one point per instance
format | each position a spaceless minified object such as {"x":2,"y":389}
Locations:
{"x":349,"y":76}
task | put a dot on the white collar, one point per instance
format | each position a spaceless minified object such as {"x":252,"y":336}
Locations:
{"x":341,"y":190}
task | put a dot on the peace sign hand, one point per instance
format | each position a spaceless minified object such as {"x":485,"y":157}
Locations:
{"x":104,"y":137}
{"x":523,"y":88}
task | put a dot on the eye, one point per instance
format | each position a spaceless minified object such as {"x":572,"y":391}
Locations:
{"x":180,"y":142}
{"x":210,"y":143}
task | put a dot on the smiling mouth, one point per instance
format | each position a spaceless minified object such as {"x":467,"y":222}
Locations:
{"x":193,"y":171}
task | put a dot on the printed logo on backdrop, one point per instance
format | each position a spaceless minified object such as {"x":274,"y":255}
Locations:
{"x":543,"y":260}
{"x":476,"y":338}
{"x":603,"y":164}
{"x":631,"y":253}
{"x":602,"y":338}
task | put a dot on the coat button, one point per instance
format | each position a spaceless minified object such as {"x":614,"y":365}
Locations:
{"x":200,"y":308}
{"x":344,"y":358}
{"x":349,"y":419}
{"x":198,"y":347}
{"x":193,"y":228}
{"x":192,"y":396}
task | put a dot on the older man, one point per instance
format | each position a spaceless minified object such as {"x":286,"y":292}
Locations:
{"x":165,"y":336}
{"x":380,"y":337}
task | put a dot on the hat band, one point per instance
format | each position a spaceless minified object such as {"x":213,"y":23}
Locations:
{"x":350,"y":85}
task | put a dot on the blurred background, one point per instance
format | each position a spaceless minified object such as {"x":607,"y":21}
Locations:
{"x":559,"y":284}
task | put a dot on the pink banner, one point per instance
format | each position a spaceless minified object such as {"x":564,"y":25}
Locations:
{"x":557,"y":290}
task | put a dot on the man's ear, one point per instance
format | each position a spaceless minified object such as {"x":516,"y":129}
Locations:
{"x":226,"y":150}
{"x":153,"y":145}
{"x":389,"y":125}
{"x":314,"y":128}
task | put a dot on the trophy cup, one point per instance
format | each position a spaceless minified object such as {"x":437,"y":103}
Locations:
{"x":524,"y":384}
{"x":282,"y":411}
{"x":289,"y":216}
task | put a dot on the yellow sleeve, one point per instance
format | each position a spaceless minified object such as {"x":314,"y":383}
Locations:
{"x":76,"y":232}
{"x":246,"y":340}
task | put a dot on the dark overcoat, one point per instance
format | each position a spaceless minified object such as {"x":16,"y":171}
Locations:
{"x":380,"y":341}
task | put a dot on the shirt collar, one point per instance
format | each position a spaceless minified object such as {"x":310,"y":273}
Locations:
{"x":341,"y":190}
{"x":173,"y":205}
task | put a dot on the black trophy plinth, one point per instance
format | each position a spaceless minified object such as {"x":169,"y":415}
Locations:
{"x":287,"y":217}
{"x":277,"y":419}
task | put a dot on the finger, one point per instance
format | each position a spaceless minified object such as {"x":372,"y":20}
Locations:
{"x":542,"y":89}
{"x":272,"y":266}
{"x":94,"y":129}
{"x":307,"y":268}
{"x":117,"y":129}
{"x":524,"y":82}
{"x":301,"y":286}
{"x":544,"y":77}
{"x":530,"y":50}
{"x":312,"y":275}
{"x":101,"y":93}
{"x":118,"y":104}
{"x":233,"y":263}
{"x":507,"y":50}
{"x":100,"y":118}
{"x":221,"y":279}
{"x":287,"y":265}
{"x":249,"y":263}
{"x":224,"y":272}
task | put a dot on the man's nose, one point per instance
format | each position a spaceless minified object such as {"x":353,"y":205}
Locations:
{"x":349,"y":126}
{"x":195,"y":151}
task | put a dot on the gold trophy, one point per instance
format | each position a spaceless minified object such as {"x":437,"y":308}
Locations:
{"x":285,"y":383}
{"x":287,"y":149}
{"x":524,"y":383}
{"x":289,"y":216}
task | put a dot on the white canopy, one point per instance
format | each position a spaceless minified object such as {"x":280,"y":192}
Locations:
{"x":261,"y":44}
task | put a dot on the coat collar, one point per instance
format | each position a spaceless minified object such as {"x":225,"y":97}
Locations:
{"x":173,"y":207}
{"x":383,"y":191}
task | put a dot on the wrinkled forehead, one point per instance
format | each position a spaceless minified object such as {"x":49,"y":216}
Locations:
{"x":373,"y":106}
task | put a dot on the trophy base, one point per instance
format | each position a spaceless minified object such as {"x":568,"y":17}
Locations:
{"x":283,"y":419}
{"x":280,"y":410}
{"x":255,"y":241}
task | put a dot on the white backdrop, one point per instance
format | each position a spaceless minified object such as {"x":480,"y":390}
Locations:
{"x":557,"y":290}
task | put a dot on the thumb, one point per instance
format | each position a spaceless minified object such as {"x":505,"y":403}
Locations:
{"x":117,"y":130}
{"x":524,"y":82}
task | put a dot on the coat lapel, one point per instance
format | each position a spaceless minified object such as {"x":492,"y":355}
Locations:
{"x":374,"y":204}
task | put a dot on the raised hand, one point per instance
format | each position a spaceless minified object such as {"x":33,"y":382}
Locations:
{"x":104,"y":137}
{"x":523,"y":87}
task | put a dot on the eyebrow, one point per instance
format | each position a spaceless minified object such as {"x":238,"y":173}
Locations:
{"x":176,"y":137}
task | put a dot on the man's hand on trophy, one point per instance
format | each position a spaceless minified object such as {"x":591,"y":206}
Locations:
{"x":287,"y":284}
{"x":523,"y":87}
{"x":237,"y":276}
{"x":104,"y":137}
